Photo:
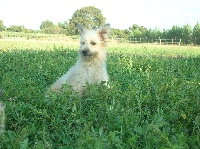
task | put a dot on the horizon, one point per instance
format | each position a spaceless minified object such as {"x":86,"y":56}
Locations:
{"x":154,"y":14}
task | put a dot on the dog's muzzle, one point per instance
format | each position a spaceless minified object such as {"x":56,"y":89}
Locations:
{"x":86,"y":52}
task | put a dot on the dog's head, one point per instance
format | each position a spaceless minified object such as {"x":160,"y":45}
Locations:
{"x":93,"y":42}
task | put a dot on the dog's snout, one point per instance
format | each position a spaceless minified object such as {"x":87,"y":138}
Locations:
{"x":85,"y":52}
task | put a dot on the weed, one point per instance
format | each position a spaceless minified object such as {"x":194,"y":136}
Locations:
{"x":153,"y":100}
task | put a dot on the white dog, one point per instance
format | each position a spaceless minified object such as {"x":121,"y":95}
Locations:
{"x":91,"y":65}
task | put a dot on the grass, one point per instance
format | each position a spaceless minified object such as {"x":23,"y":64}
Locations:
{"x":153,"y":100}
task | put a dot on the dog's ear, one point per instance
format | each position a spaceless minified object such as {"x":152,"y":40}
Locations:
{"x":104,"y":31}
{"x":81,"y":28}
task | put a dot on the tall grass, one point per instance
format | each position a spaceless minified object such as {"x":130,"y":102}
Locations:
{"x":153,"y":100}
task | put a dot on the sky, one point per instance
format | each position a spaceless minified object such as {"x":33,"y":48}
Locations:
{"x":121,"y":14}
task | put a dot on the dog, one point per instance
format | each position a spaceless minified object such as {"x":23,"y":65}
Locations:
{"x":91,"y":64}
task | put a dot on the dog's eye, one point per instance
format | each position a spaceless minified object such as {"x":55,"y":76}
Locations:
{"x":93,"y":43}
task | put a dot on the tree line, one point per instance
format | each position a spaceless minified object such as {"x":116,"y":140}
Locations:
{"x":91,"y":17}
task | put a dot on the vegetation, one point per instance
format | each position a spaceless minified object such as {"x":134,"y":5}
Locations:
{"x":196,"y":34}
{"x":2,"y":27}
{"x":91,"y":17}
{"x":152,"y":102}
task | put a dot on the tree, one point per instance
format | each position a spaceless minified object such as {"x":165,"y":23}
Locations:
{"x":186,"y":34}
{"x":149,"y":35}
{"x":90,"y":17}
{"x":47,"y":27}
{"x":176,"y":32}
{"x":157,"y":33}
{"x":196,"y":34}
{"x":16,"y":28}
{"x":117,"y":33}
{"x":138,"y":32}
{"x":63,"y":27}
{"x":46,"y":24}
{"x":2,"y":27}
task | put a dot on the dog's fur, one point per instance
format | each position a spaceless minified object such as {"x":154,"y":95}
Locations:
{"x":91,"y":65}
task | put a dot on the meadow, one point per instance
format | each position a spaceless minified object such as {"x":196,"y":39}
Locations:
{"x":153,"y":100}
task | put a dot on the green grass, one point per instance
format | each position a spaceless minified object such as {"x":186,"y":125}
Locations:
{"x":153,"y":100}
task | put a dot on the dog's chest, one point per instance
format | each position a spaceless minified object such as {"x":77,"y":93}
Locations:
{"x":81,"y":73}
{"x":92,"y":72}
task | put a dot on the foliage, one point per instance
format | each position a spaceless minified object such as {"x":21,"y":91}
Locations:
{"x":48,"y":27}
{"x":46,"y":24}
{"x":187,"y":34}
{"x":90,"y":17}
{"x":117,"y":33}
{"x":196,"y":34}
{"x":16,"y":28}
{"x":64,"y":27}
{"x":177,"y":32}
{"x":2,"y":27}
{"x":152,"y":102}
{"x":1,"y":22}
{"x":137,"y":31}
{"x":35,"y":35}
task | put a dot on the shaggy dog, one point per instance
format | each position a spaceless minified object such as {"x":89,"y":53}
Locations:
{"x":91,"y":65}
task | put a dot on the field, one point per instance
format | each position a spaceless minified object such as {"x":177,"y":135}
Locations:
{"x":153,"y":100}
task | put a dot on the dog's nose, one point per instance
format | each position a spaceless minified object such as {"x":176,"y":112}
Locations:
{"x":85,"y":52}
